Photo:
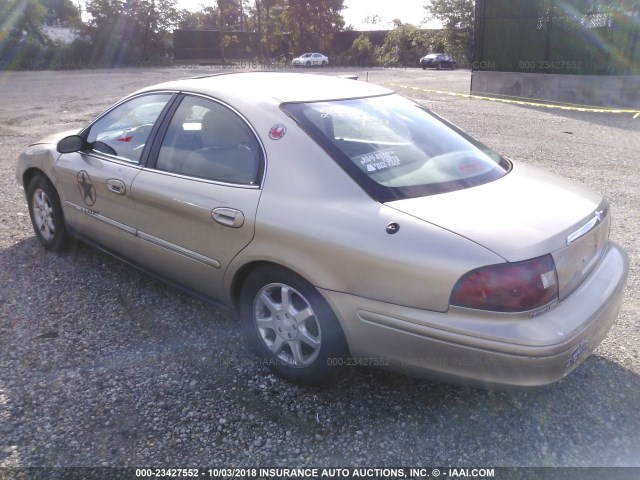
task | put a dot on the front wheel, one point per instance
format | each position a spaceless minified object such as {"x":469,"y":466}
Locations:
{"x":291,"y":327}
{"x":46,"y":214}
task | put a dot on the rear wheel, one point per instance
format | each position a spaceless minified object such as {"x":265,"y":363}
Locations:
{"x":324,"y":63}
{"x":46,"y":214}
{"x":291,"y":327}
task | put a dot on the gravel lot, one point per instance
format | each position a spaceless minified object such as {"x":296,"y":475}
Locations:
{"x":102,"y":366}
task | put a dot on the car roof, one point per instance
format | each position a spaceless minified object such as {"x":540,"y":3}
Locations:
{"x":280,"y":86}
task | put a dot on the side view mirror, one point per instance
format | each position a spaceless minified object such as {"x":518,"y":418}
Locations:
{"x":70,"y":144}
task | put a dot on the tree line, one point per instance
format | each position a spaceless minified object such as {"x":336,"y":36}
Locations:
{"x":139,"y":32}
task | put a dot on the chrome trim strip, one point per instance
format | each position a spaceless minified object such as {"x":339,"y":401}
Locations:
{"x":179,"y":250}
{"x":200,"y":179}
{"x":111,"y":158}
{"x":145,"y":236}
{"x":102,"y":218}
{"x":587,"y":227}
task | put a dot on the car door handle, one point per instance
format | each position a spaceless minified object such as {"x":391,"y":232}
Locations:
{"x":229,"y":217}
{"x":116,"y":186}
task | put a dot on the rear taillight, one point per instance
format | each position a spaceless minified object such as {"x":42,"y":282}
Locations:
{"x":508,"y":287}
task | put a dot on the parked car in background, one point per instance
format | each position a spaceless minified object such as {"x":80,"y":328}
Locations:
{"x":310,"y":60}
{"x":437,"y":60}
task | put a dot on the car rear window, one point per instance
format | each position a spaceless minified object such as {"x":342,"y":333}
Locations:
{"x":395,"y":148}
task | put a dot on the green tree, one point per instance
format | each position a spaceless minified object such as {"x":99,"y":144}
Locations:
{"x":229,"y":14}
{"x":63,"y":11}
{"x":274,"y":37}
{"x":228,"y":19}
{"x":266,"y":20}
{"x":313,"y":22}
{"x":404,"y":45}
{"x":457,"y":19}
{"x":130,"y":31}
{"x":362,"y":52}
{"x":20,"y":37}
{"x":206,"y":18}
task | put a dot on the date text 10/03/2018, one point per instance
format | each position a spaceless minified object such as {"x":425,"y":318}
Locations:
{"x":320,"y":473}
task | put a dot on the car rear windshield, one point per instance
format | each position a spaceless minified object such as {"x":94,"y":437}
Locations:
{"x":396,"y":149}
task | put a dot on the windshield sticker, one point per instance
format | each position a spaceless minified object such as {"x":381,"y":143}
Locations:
{"x":472,"y":166}
{"x":277,"y":132}
{"x":379,"y":161}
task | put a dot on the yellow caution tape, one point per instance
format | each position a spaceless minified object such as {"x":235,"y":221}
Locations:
{"x":574,"y":108}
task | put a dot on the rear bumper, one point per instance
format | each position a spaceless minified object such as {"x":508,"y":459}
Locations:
{"x":485,"y":348}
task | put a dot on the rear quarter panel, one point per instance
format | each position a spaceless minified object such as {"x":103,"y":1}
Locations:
{"x":315,"y":220}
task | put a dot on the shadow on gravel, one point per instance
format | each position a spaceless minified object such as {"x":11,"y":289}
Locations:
{"x":589,"y":418}
{"x":101,"y":365}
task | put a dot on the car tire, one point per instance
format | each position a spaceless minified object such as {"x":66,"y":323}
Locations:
{"x":424,"y":67}
{"x":324,"y":64}
{"x":308,"y":64}
{"x":46,"y":214}
{"x":291,"y":327}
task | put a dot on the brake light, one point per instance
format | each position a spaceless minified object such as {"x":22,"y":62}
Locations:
{"x":508,"y":287}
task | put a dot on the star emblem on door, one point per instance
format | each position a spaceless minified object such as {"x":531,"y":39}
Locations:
{"x":87,"y":190}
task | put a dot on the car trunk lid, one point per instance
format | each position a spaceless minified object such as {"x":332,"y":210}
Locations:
{"x":525,"y":214}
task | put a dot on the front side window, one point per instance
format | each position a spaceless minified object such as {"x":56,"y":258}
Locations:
{"x":396,"y":149}
{"x":123,"y":132}
{"x":208,"y":140}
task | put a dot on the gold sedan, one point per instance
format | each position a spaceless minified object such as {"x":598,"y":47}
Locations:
{"x":346,"y":224}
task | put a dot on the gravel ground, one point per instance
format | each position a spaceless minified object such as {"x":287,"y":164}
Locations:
{"x":102,"y":366}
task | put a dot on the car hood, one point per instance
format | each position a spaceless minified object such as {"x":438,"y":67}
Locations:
{"x":525,"y":214}
{"x":54,"y":138}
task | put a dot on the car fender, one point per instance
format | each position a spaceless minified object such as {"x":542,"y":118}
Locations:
{"x":41,"y":155}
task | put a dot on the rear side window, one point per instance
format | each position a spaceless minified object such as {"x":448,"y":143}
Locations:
{"x":208,"y":140}
{"x":396,"y":149}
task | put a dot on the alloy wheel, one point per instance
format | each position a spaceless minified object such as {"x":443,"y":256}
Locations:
{"x":287,"y":324}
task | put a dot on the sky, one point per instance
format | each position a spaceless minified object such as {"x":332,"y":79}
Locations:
{"x":408,"y":11}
